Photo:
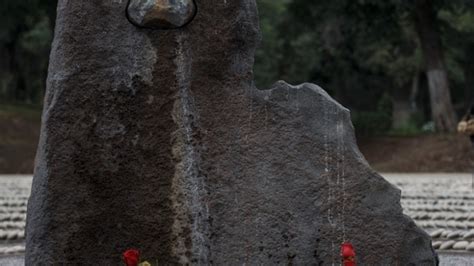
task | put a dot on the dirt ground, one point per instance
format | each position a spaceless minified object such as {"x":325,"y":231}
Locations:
{"x":424,"y":153}
{"x":19,"y":133}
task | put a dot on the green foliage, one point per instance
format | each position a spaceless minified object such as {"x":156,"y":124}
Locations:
{"x":370,"y":123}
{"x":20,"y":110}
{"x":37,"y":40}
{"x":25,"y":37}
{"x":269,"y":55}
{"x":412,"y":127}
{"x":361,"y":50}
{"x":458,"y":37}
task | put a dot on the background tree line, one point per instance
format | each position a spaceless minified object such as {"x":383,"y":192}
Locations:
{"x":397,"y":64}
{"x":25,"y":39}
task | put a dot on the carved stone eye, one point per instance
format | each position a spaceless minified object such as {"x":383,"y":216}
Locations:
{"x":161,"y":14}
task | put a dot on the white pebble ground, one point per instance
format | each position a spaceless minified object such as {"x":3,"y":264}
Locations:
{"x":441,"y":204}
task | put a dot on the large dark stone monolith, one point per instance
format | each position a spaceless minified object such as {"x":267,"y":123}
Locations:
{"x":158,"y":140}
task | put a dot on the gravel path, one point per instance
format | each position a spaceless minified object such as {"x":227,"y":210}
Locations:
{"x":442,"y":204}
{"x":12,"y":261}
{"x":455,"y":259}
{"x":14,"y":193}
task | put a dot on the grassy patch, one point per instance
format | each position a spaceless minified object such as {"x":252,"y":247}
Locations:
{"x":24,"y":111}
{"x":408,"y":130}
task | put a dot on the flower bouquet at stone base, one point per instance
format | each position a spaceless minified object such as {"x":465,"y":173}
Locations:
{"x":131,"y":257}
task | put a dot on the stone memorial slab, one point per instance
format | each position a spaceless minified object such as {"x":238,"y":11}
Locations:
{"x":158,"y":140}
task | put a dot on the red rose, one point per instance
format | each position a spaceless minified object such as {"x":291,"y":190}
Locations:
{"x":348,"y":254}
{"x":131,"y":257}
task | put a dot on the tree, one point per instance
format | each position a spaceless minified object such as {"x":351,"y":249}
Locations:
{"x":426,"y":23}
{"x":357,"y":50}
{"x":24,"y":47}
{"x":459,"y":39}
{"x":360,"y":50}
{"x":269,"y":55}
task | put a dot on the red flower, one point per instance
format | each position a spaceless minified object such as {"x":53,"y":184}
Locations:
{"x":348,"y":254}
{"x":131,"y":257}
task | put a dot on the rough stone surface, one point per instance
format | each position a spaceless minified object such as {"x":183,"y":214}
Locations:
{"x":161,"y":14}
{"x":158,"y":140}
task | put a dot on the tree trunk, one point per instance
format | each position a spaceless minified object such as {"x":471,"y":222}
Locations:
{"x":404,"y":104}
{"x":468,"y":67}
{"x":4,"y":72}
{"x":12,"y":72}
{"x":442,"y":110}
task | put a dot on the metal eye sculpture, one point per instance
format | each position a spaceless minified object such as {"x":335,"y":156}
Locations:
{"x":161,"y":14}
